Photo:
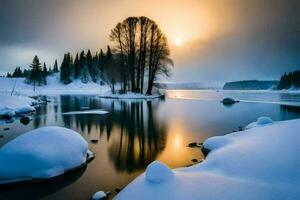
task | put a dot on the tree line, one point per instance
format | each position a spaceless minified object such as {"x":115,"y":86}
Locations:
{"x":140,"y":54}
{"x":289,"y":80}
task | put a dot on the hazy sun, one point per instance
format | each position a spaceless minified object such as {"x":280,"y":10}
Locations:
{"x":178,"y":42}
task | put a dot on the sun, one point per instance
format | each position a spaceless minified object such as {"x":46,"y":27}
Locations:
{"x":178,"y":42}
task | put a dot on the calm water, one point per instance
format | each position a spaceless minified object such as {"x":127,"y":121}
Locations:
{"x":136,"y":132}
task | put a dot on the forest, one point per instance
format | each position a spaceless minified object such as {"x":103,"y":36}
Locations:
{"x":289,"y":80}
{"x":139,"y":56}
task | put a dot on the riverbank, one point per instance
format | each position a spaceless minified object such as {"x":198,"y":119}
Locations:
{"x":258,"y":163}
{"x":15,"y":105}
{"x":18,"y":86}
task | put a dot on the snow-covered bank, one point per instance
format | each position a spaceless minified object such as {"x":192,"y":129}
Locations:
{"x":53,"y":87}
{"x":130,"y":95}
{"x":258,"y":163}
{"x":13,"y":105}
{"x":42,"y":153}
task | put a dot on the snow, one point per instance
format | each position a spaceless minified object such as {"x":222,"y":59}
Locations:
{"x":259,"y":163}
{"x":158,"y":172}
{"x":261,"y":121}
{"x":98,"y":112}
{"x":53,"y":87}
{"x":12,"y":105}
{"x":42,"y":153}
{"x":99,"y":195}
{"x":130,"y":95}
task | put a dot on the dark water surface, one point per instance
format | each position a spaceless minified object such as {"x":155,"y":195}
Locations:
{"x":136,"y":132}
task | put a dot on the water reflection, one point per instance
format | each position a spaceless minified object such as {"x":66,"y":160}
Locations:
{"x":39,"y":190}
{"x":290,"y":111}
{"x":134,"y":134}
{"x":141,"y":136}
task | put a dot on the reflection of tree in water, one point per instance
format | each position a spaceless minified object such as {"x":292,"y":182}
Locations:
{"x":134,"y":134}
{"x":289,"y":112}
{"x":41,"y":111}
{"x":40,"y":189}
{"x":141,"y":138}
{"x":82,"y":122}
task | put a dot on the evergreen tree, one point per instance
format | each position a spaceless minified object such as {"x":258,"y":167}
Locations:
{"x":26,"y":73}
{"x":65,"y":70}
{"x":89,"y":60}
{"x":101,"y":60}
{"x":289,"y":80}
{"x":76,"y":67}
{"x":45,"y":73}
{"x":8,"y":75}
{"x":17,"y":73}
{"x":85,"y":75}
{"x":55,"y":67}
{"x":36,"y":76}
{"x":50,"y":71}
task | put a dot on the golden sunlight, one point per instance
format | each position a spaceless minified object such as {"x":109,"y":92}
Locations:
{"x":178,"y":42}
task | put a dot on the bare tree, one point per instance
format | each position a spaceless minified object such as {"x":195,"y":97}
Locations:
{"x":140,"y":45}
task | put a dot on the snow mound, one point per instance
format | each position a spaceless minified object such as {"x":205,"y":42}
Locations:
{"x":6,"y":111}
{"x":260,"y":163}
{"x":261,"y":121}
{"x":216,"y":142}
{"x":158,"y":172}
{"x":24,"y":109}
{"x":99,"y":195}
{"x":42,"y":153}
{"x":12,"y":105}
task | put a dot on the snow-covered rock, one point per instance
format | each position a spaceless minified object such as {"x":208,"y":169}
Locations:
{"x":12,"y":105}
{"x":99,"y":195}
{"x":42,"y":153}
{"x":259,"y":163}
{"x":261,"y":121}
{"x":158,"y":172}
{"x":6,"y":111}
{"x":229,"y":100}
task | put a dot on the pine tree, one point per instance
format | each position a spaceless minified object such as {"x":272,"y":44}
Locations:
{"x":85,"y":75}
{"x":89,"y":60}
{"x":45,"y":73}
{"x":50,"y":71}
{"x":76,"y":67}
{"x":26,"y":73}
{"x":17,"y":73}
{"x":55,"y":67}
{"x":65,"y":69}
{"x":36,"y":72}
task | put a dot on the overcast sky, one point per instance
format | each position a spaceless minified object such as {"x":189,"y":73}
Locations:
{"x":222,"y":40}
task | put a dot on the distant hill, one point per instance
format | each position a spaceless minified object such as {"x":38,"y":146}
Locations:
{"x":250,"y":85}
{"x":185,"y":86}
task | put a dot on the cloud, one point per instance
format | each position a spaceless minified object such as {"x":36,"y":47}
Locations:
{"x":223,"y":41}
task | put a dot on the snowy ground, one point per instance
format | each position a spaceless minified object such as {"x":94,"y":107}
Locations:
{"x":259,"y":163}
{"x":42,"y":153}
{"x":13,"y":105}
{"x":53,"y":87}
